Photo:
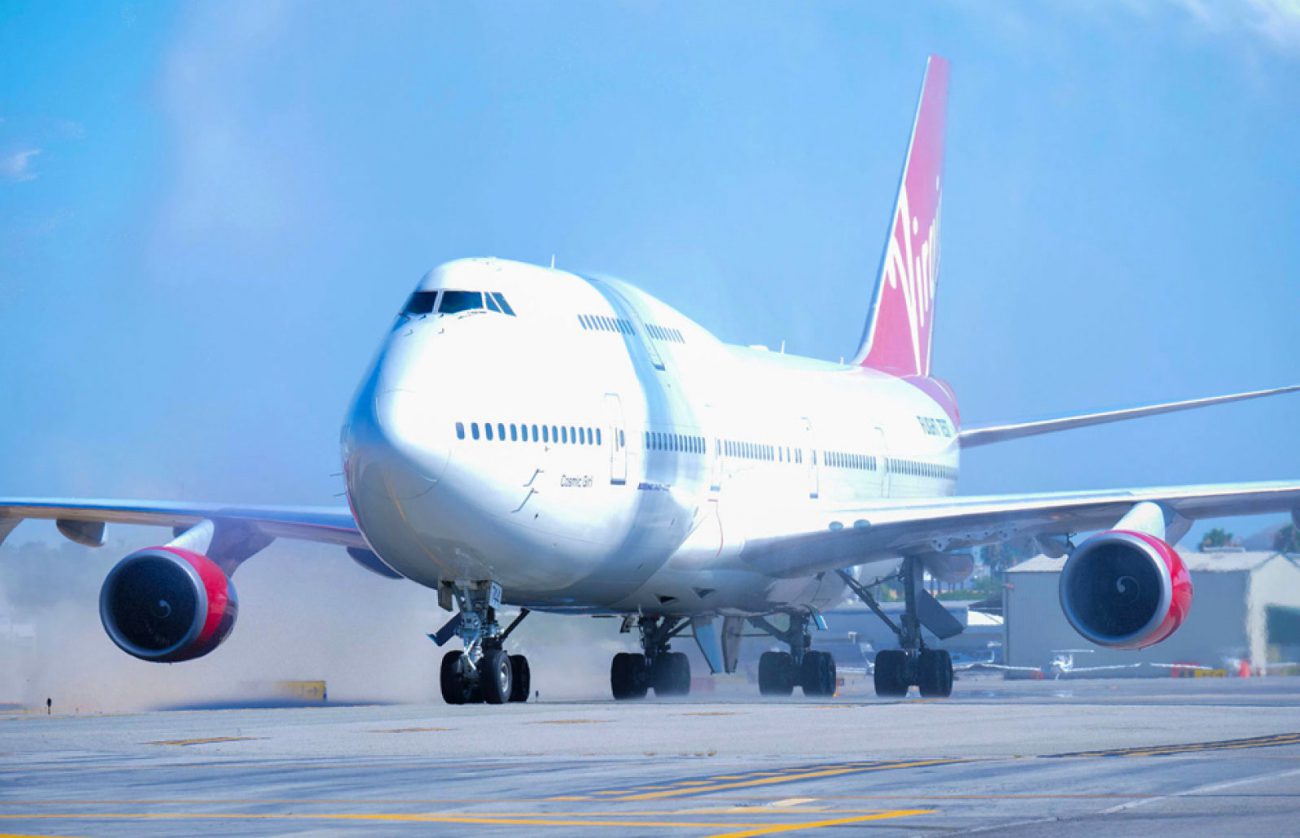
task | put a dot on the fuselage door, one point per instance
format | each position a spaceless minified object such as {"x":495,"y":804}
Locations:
{"x":810,"y":459}
{"x":713,"y":448}
{"x":617,"y":439}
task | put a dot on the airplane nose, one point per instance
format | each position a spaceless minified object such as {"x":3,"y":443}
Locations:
{"x":395,"y":445}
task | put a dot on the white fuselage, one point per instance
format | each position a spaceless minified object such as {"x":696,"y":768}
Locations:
{"x":673,"y":448}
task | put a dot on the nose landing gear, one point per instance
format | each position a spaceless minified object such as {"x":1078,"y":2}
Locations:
{"x":632,"y":675}
{"x":483,"y":672}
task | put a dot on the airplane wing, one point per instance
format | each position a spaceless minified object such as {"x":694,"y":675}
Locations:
{"x":1073,"y":669}
{"x":329,"y":525}
{"x":972,"y":437}
{"x":999,"y":667}
{"x":844,"y":537}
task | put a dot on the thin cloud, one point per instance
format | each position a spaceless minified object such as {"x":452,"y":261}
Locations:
{"x":1275,"y":22}
{"x":17,"y":166}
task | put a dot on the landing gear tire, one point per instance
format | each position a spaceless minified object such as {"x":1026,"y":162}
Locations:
{"x":495,"y":677}
{"x":671,"y":674}
{"x":521,"y":678}
{"x":891,"y":673}
{"x":629,"y":676}
{"x":817,"y":676}
{"x":776,"y":673}
{"x":456,"y":688}
{"x":934,"y":673}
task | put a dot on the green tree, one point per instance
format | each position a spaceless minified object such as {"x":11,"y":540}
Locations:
{"x":1287,"y":539}
{"x":1217,"y":537}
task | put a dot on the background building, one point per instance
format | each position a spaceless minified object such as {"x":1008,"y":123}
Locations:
{"x":1245,"y":606}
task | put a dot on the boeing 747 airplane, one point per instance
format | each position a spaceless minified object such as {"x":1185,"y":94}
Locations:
{"x":548,"y":440}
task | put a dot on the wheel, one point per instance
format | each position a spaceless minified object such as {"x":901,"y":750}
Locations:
{"x":776,"y":673}
{"x":817,"y":675}
{"x":891,"y":673}
{"x":495,"y":677}
{"x":521,"y":678}
{"x":671,"y":674}
{"x":452,"y":679}
{"x":934,"y":671}
{"x":628,"y":676}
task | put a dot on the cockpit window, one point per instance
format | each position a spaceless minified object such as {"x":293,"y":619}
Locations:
{"x":421,"y":302}
{"x":455,"y":301}
{"x":501,"y":301}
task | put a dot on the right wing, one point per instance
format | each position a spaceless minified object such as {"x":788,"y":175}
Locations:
{"x":972,"y":437}
{"x":839,"y":538}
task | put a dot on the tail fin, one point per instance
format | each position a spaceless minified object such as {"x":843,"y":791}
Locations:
{"x":897,"y":334}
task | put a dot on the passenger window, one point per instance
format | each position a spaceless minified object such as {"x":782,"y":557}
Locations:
{"x":598,"y":442}
{"x":546,"y":437}
{"x":582,"y":435}
{"x":573,"y":435}
{"x":621,"y":440}
{"x":487,"y":429}
{"x":564,"y":435}
{"x":460,"y":430}
{"x":421,"y":302}
{"x":514,"y":432}
{"x":501,"y":431}
{"x":555,"y":434}
{"x":473,"y":429}
{"x":535,"y":437}
{"x":457,"y":301}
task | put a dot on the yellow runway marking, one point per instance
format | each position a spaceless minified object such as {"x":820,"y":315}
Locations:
{"x":1192,"y":747}
{"x":766,"y":778}
{"x":795,"y":827}
{"x":747,"y":829}
{"x":211,"y":740}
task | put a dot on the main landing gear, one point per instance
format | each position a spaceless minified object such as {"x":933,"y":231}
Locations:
{"x":668,"y":673}
{"x":780,"y":672}
{"x":898,"y":670}
{"x":483,"y":672}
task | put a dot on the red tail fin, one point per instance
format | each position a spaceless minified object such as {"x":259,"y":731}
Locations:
{"x":897,"y":335}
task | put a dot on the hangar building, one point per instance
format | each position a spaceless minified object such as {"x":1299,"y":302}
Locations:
{"x":1245,"y":606}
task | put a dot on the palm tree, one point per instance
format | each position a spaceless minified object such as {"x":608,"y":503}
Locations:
{"x":1287,"y":539}
{"x":1217,"y":537}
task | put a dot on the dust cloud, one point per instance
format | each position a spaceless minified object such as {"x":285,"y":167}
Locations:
{"x":307,"y":612}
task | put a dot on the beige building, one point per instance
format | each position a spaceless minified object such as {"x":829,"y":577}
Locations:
{"x":1245,"y":605}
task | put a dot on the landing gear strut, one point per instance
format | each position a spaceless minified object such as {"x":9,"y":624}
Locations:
{"x":897,"y":670}
{"x":632,"y":675}
{"x":483,"y":671}
{"x":780,"y":672}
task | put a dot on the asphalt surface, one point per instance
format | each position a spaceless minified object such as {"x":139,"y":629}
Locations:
{"x":1119,"y":757}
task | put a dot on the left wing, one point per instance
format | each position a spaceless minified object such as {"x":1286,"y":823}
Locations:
{"x":824,"y":541}
{"x":82,"y":520}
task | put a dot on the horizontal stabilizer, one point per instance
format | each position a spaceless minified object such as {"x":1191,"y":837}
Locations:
{"x":972,"y":437}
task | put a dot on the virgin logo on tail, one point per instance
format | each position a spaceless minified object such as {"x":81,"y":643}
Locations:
{"x":913,"y":271}
{"x":897,"y":336}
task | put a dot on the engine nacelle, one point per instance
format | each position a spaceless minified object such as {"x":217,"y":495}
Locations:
{"x":167,"y":604}
{"x":1125,"y":589}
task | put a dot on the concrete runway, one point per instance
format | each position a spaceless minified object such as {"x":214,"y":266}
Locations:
{"x":1120,"y":757}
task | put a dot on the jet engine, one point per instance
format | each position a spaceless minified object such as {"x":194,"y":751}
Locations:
{"x":1125,"y":589}
{"x":167,"y":604}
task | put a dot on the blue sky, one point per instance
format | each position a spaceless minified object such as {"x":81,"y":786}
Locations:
{"x":209,"y":213}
